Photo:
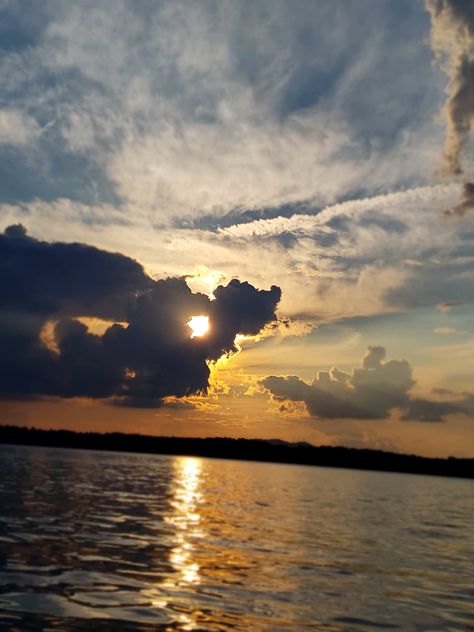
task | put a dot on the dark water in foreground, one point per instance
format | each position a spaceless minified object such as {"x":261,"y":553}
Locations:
{"x":104,"y":541}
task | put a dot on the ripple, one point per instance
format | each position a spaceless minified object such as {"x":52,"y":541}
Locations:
{"x":132,"y":542}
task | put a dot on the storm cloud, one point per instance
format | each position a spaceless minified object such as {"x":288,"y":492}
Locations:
{"x":370,"y":392}
{"x":144,"y":352}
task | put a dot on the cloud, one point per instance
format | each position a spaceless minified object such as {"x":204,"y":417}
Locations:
{"x":436,"y":281}
{"x":466,"y":202}
{"x":240,"y":308}
{"x":372,"y":391}
{"x":428,"y":410}
{"x":144,"y":354}
{"x":434,"y":410}
{"x":447,"y":331}
{"x":452,"y":38}
{"x":218,"y":107}
{"x":358,"y":257}
{"x":17,"y":128}
{"x":447,"y":306}
{"x":376,"y":210}
{"x":341,"y":250}
{"x":57,"y":279}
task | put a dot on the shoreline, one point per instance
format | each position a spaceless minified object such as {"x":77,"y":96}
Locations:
{"x":259,"y":450}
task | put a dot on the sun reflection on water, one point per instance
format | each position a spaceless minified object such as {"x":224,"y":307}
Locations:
{"x":185,"y":521}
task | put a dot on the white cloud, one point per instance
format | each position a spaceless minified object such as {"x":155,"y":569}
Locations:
{"x":340,"y":262}
{"x":17,"y":128}
{"x":401,"y":203}
{"x":448,"y":331}
{"x":209,"y":108}
{"x":191,"y":109}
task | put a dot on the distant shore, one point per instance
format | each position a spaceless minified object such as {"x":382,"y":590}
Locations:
{"x":274,"y":451}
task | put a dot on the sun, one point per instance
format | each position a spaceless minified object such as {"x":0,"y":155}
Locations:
{"x":199,"y":325}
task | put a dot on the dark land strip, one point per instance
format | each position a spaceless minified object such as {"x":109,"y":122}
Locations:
{"x":274,"y":451}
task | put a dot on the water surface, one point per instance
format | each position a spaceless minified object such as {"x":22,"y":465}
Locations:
{"x":114,"y":541}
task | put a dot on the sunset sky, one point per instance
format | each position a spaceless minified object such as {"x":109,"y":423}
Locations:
{"x":298,"y":172}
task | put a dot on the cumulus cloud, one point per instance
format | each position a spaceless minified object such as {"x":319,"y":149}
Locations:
{"x":59,"y":279}
{"x":145,"y":353}
{"x":372,"y":391}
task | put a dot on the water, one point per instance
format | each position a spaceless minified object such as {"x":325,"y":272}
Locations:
{"x":104,"y":541}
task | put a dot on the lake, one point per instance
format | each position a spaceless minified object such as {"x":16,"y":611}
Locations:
{"x":115,"y":541}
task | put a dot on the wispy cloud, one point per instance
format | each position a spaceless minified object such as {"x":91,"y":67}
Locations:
{"x":305,"y":224}
{"x":448,"y":331}
{"x":180,"y":109}
{"x":358,"y":257}
{"x":17,"y":128}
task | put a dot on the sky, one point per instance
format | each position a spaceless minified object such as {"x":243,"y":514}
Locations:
{"x":298,"y":172}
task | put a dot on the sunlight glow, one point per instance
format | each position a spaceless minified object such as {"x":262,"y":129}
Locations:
{"x":205,"y":280}
{"x":186,"y":529}
{"x":199,"y":325}
{"x":186,"y":519}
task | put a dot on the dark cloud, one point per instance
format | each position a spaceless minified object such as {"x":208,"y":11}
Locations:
{"x":369,"y":392}
{"x":434,"y":410}
{"x":144,"y":356}
{"x":46,"y":279}
{"x":452,"y":38}
{"x":466,"y":203}
{"x":239,"y":308}
{"x":429,"y":410}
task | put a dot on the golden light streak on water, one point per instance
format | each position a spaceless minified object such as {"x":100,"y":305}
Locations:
{"x":186,"y":520}
{"x":132,"y":541}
